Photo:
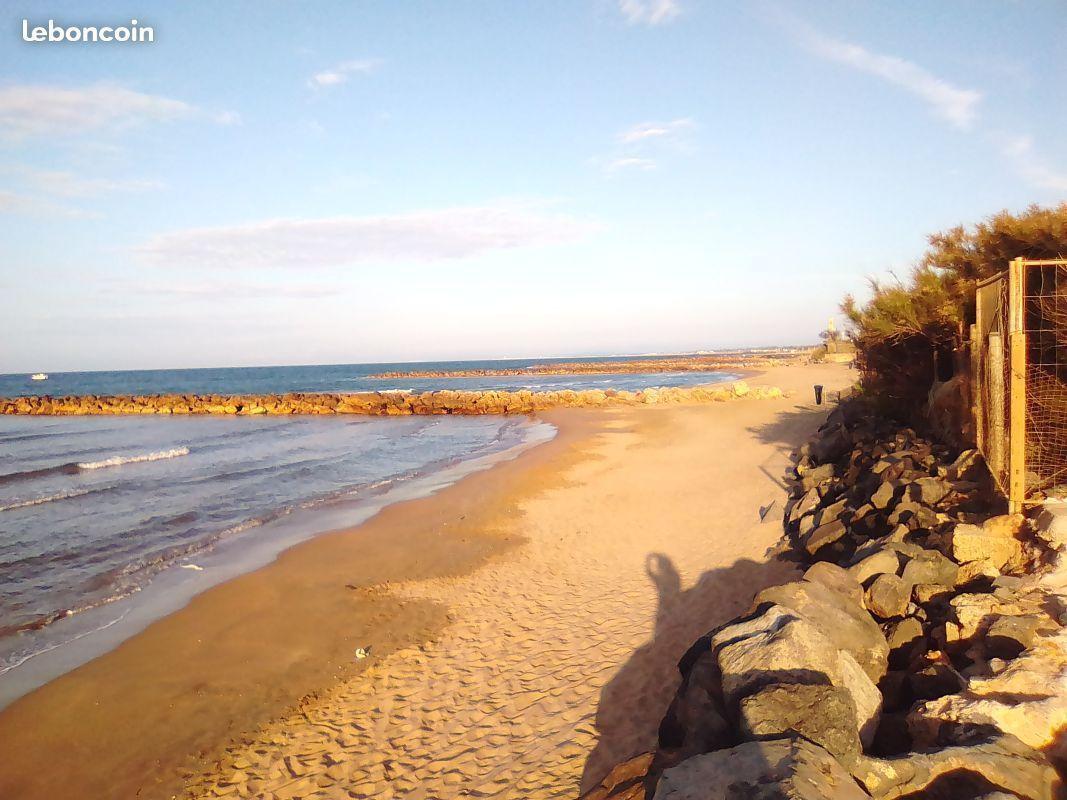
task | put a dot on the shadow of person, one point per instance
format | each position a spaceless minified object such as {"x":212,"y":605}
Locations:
{"x":634,"y":701}
{"x":661,"y":571}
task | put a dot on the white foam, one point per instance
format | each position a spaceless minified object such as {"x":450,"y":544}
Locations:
{"x":48,"y":499}
{"x":115,"y":461}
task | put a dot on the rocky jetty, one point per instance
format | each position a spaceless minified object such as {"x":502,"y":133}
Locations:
{"x":376,"y":403}
{"x":699,"y":363}
{"x":921,"y":654}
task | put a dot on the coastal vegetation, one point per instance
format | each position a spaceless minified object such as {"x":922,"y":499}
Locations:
{"x":911,"y":332}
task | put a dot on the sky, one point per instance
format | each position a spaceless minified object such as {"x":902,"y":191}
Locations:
{"x":297,"y":183}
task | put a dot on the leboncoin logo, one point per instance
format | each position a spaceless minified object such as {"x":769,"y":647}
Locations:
{"x":134,"y":33}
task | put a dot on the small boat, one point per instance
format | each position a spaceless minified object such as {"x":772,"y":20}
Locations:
{"x":40,"y":376}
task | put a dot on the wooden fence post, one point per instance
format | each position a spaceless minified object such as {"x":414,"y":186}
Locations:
{"x":1017,"y":389}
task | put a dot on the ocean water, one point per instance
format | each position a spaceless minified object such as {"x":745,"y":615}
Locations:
{"x":336,"y":378}
{"x":107,"y":523}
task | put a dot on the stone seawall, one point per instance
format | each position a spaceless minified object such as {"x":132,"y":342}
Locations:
{"x":376,"y":403}
{"x":922,"y":653}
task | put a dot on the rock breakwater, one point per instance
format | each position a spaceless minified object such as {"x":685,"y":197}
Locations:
{"x":921,"y":654}
{"x":707,"y":363}
{"x":376,"y":403}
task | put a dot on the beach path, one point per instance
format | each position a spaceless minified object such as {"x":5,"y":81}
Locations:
{"x":560,"y":659}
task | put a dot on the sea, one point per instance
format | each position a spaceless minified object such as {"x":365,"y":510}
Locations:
{"x":108,"y":523}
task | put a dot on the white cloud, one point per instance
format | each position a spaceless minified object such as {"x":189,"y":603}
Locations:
{"x":230,"y":290}
{"x":1019,"y":150}
{"x":340,"y":73}
{"x":418,"y":236}
{"x":41,"y":110}
{"x":663,"y":131}
{"x":956,"y":105}
{"x":649,"y":12}
{"x":639,"y":146}
{"x":15,"y":203}
{"x":628,"y":162}
{"x":60,"y":183}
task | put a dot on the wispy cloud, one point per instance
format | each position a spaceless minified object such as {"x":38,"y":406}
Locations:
{"x":26,"y":205}
{"x":422,"y":236}
{"x":628,"y":162}
{"x":956,"y":105}
{"x":1020,"y":152}
{"x":649,"y":12}
{"x":640,"y":146}
{"x":340,"y":73}
{"x":59,"y":183}
{"x":235,"y":290}
{"x":45,"y":110}
{"x":672,"y":131}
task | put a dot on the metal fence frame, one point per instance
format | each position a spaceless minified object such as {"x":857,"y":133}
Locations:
{"x":1006,"y":427}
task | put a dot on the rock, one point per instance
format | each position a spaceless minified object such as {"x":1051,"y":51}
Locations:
{"x":981,"y":762}
{"x":831,"y":444}
{"x":994,"y":544}
{"x":877,"y":563}
{"x":1008,"y":636}
{"x":967,"y":466}
{"x":975,"y":612}
{"x":834,"y":577}
{"x":627,"y":781}
{"x":807,"y":503}
{"x":817,"y":477}
{"x":928,"y":491}
{"x":695,"y":722}
{"x":924,"y":593}
{"x":1027,"y":699}
{"x":781,"y":769}
{"x":973,"y":571}
{"x":823,"y":714}
{"x":1051,"y":523}
{"x":930,"y":567}
{"x":830,"y":513}
{"x":884,"y":495}
{"x":824,"y":535}
{"x":906,"y":641}
{"x":888,"y":596}
{"x":779,"y":646}
{"x":847,"y":625}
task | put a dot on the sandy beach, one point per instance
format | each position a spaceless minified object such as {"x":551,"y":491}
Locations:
{"x":513,"y":620}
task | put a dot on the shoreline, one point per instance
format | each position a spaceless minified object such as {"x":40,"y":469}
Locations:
{"x":245,"y":621}
{"x":77,"y":638}
{"x":281,"y":637}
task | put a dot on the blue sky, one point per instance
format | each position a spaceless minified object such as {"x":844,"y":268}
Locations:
{"x":283,"y":182}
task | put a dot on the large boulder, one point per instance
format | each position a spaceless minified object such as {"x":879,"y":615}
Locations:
{"x":780,"y":646}
{"x":845,"y":623}
{"x":820,"y":713}
{"x":781,"y":769}
{"x":994,"y":542}
{"x":696,"y":722}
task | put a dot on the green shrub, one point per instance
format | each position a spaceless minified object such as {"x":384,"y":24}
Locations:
{"x":910,"y":333}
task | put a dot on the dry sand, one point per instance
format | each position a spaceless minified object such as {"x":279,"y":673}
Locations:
{"x":524,"y":623}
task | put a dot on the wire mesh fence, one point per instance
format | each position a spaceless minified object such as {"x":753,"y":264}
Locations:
{"x":1019,"y":378}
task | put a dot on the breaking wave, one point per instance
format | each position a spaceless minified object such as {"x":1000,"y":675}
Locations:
{"x":116,"y":461}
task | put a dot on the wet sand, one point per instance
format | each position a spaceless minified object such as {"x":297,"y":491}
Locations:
{"x":523,"y":623}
